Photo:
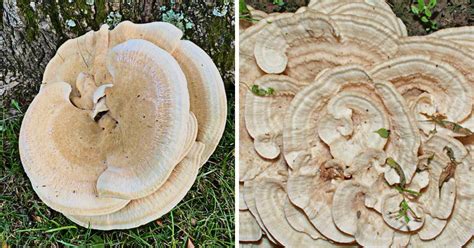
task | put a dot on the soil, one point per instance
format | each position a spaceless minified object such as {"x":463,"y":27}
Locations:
{"x":447,"y":13}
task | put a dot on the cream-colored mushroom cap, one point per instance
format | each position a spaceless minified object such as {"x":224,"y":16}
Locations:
{"x":270,"y":205}
{"x":265,"y":115}
{"x":160,"y":94}
{"x":464,"y":36}
{"x":249,"y":230}
{"x":302,"y":136}
{"x":313,"y":192}
{"x":250,"y":163}
{"x":327,"y":6}
{"x":62,"y":163}
{"x":352,"y":216}
{"x":446,"y":89}
{"x":206,"y":92}
{"x":153,"y":206}
{"x":122,"y":142}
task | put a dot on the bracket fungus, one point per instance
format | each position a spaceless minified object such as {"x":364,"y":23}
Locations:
{"x":366,"y":137}
{"x":127,"y":116}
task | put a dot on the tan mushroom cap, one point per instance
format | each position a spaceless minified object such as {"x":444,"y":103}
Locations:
{"x":349,"y":126}
{"x":249,"y":230}
{"x":153,"y":206}
{"x":459,"y":229}
{"x":82,"y":54}
{"x":250,"y":163}
{"x":277,"y":38}
{"x":464,"y":36}
{"x":299,"y":221}
{"x":391,"y":207}
{"x":270,"y":205}
{"x":404,"y":139}
{"x":439,"y":50}
{"x":206,"y":92}
{"x":366,"y":167}
{"x":438,"y":202}
{"x":351,"y":216}
{"x":308,"y":191}
{"x":66,"y":178}
{"x":448,"y":89}
{"x":265,"y":115}
{"x":248,"y":68}
{"x":264,"y":242}
{"x":249,"y":197}
{"x":304,"y":44}
{"x":327,"y":6}
{"x":383,"y":16}
{"x":242,"y":204}
{"x":300,"y":136}
{"x":159,"y":99}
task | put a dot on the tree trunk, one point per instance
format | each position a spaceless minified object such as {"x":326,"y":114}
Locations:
{"x":31,"y":33}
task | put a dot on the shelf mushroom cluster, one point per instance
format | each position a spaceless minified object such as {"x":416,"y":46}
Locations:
{"x":122,"y":123}
{"x":353,"y":133}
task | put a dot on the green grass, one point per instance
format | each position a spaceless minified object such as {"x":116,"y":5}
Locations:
{"x":205,"y":216}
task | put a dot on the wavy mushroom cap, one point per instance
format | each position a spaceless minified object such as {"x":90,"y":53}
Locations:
{"x":343,"y":97}
{"x":270,"y":205}
{"x":264,"y":115}
{"x":123,"y":110}
{"x":141,"y":211}
{"x":463,"y":36}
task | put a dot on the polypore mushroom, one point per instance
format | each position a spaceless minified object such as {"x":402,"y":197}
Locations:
{"x":464,"y":36}
{"x":327,"y":6}
{"x":270,"y":205}
{"x":130,"y":116}
{"x":359,"y":169}
{"x":299,"y":221}
{"x":141,"y":211}
{"x":447,"y":89}
{"x":352,"y":216}
{"x":384,"y":16}
{"x":264,"y":115}
{"x":300,"y":135}
{"x":316,"y":204}
{"x":249,"y":230}
{"x":250,"y":164}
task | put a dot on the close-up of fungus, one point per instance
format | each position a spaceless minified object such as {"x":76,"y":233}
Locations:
{"x":352,"y":132}
{"x":122,"y":123}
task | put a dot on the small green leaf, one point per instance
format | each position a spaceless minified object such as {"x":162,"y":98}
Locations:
{"x":427,"y":13}
{"x":414,"y":9}
{"x":384,"y":133}
{"x":15,"y":105}
{"x":244,"y":12}
{"x":424,"y":19}
{"x":421,"y":4}
{"x":270,"y":91}
{"x":261,"y":91}
{"x":432,"y":4}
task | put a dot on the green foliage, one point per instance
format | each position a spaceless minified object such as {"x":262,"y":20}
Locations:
{"x":440,"y":119}
{"x":384,"y":133}
{"x":279,"y":2}
{"x":403,"y":211}
{"x":261,"y":91}
{"x":244,"y":12}
{"x":402,"y":190}
{"x":424,"y":12}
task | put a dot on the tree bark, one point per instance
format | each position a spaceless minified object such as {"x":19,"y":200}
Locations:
{"x":31,"y":33}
